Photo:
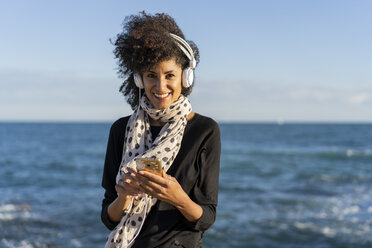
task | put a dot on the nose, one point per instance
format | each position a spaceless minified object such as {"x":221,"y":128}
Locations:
{"x":161,"y":84}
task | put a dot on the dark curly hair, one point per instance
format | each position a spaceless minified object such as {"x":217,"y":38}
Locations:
{"x":144,"y":42}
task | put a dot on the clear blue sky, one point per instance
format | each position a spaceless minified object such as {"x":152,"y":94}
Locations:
{"x":260,"y":60}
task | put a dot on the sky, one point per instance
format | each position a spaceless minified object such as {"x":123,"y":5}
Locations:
{"x":261,"y":61}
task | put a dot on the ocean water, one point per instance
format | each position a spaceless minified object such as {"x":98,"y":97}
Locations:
{"x":290,"y":185}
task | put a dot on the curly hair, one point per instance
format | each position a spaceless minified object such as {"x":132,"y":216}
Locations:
{"x":144,"y":42}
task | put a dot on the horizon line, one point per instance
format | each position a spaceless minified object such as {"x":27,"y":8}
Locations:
{"x":278,"y":122}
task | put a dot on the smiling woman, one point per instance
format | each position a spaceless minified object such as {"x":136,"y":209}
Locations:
{"x":175,"y":206}
{"x":162,"y":83}
{"x":146,"y":41}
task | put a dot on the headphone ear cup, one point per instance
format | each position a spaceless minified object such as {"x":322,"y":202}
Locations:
{"x":138,"y":80}
{"x":187,"y":77}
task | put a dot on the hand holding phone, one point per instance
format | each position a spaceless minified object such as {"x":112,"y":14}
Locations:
{"x":150,"y":165}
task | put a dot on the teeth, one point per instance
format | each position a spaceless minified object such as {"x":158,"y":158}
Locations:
{"x":161,"y":96}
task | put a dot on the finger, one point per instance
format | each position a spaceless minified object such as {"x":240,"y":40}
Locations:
{"x":126,"y":175}
{"x":167,"y":177}
{"x":121,"y":190}
{"x":134,"y":180}
{"x":152,"y":190}
{"x":147,"y":185}
{"x":123,"y":182}
{"x":144,"y":176}
{"x":128,"y":187}
{"x":151,"y":186}
{"x":132,"y":169}
{"x":129,"y":178}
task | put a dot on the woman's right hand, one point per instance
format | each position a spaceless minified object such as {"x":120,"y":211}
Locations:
{"x":126,"y":188}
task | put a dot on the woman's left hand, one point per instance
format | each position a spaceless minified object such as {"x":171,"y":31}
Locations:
{"x":165,"y":188}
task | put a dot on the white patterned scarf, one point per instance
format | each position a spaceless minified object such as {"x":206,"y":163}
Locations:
{"x":138,"y":143}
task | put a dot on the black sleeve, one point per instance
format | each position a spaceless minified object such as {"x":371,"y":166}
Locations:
{"x":205,"y":192}
{"x":104,"y":215}
{"x":112,"y":162}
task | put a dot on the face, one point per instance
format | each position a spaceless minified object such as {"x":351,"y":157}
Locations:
{"x":163,"y":83}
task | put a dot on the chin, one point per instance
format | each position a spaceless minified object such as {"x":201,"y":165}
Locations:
{"x":161,"y":104}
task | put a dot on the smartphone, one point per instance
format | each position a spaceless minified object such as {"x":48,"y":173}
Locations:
{"x":150,"y":165}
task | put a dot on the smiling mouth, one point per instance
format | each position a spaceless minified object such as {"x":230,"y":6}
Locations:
{"x":161,"y":96}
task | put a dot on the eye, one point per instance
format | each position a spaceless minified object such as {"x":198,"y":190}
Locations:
{"x":151,"y":75}
{"x":169,"y":76}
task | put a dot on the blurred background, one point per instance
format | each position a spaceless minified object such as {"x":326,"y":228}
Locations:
{"x":289,"y":82}
{"x":260,"y":60}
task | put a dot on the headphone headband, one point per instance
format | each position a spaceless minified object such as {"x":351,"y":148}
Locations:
{"x":186,"y":48}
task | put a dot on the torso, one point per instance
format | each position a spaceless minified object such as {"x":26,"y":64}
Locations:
{"x":195,"y":168}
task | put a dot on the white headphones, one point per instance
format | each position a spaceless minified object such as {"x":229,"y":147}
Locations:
{"x":187,"y":74}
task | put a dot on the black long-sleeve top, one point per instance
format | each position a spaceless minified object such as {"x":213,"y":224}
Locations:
{"x":196,"y":168}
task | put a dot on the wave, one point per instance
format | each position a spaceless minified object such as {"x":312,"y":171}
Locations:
{"x":8,"y":243}
{"x":322,"y":152}
{"x":12,"y":244}
{"x":11,"y":211}
{"x":343,"y":220}
{"x":349,"y":153}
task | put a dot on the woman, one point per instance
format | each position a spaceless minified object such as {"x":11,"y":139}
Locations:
{"x":175,"y":208}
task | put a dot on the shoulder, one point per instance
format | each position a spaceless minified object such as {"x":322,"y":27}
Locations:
{"x":120,"y":124}
{"x":204,"y":123}
{"x":203,"y":129}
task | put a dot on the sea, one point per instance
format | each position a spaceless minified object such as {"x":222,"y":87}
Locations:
{"x":282,"y":185}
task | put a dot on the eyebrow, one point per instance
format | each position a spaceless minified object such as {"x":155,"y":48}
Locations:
{"x":164,"y":73}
